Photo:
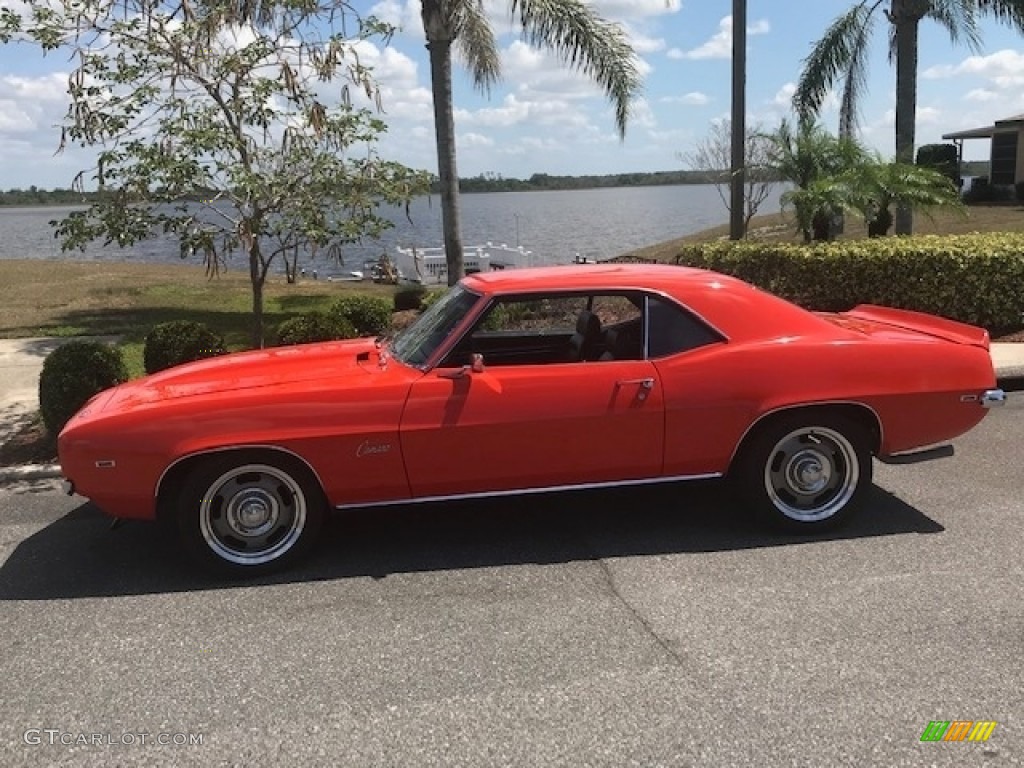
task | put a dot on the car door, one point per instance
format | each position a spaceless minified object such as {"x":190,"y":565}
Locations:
{"x":532,"y":425}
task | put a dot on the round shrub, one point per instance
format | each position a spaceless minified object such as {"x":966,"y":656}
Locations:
{"x":180,"y":341}
{"x":409,"y":298}
{"x":316,"y":326}
{"x":369,"y":315}
{"x":73,"y":373}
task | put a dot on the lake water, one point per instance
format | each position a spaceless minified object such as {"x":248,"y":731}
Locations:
{"x":555,"y":226}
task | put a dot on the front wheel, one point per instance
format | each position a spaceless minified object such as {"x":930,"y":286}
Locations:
{"x":806,"y":472}
{"x":245,"y":515}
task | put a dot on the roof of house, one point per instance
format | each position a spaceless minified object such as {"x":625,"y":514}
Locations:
{"x":1006,"y":124}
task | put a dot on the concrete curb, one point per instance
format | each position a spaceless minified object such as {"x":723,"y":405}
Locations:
{"x":24,"y":472}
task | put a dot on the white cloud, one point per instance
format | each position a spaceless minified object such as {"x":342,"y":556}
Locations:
{"x":982,"y":95}
{"x":403,"y":15}
{"x":641,"y":114}
{"x":619,"y":9}
{"x":719,"y":45}
{"x":692,"y":99}
{"x":1005,"y":68}
{"x":784,"y":96}
{"x":469,"y":140}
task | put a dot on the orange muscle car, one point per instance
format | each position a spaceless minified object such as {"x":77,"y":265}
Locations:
{"x":534,"y":380}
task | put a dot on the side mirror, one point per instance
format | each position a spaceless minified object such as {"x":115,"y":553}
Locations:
{"x":476,"y":365}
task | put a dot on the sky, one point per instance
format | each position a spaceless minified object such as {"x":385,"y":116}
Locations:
{"x":544,"y":118}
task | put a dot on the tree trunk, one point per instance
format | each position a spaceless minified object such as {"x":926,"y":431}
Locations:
{"x":738,"y":145}
{"x":256,"y":277}
{"x":440,"y":48}
{"x":906,"y":16}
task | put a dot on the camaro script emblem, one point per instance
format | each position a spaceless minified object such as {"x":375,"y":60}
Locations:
{"x":368,"y":448}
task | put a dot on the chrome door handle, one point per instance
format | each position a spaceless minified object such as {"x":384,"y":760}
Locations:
{"x":646,"y":385}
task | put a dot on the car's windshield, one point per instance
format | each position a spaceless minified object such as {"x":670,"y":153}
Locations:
{"x":414,"y":345}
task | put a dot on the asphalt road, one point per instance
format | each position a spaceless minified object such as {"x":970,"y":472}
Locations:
{"x":613,"y":629}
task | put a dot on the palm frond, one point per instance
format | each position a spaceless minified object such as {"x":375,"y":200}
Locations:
{"x":476,"y":43}
{"x":1009,"y":12}
{"x":840,"y":54}
{"x":586,"y":42}
{"x":960,"y":18}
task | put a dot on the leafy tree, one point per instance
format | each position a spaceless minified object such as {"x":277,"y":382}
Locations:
{"x":229,"y":100}
{"x":570,"y":28}
{"x":713,"y":156}
{"x":841,"y":55}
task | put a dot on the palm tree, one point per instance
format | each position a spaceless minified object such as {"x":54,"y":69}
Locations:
{"x":813,"y":160}
{"x":842,"y":55}
{"x":570,"y":28}
{"x":877,"y":186}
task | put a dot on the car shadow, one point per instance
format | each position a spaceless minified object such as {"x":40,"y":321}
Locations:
{"x":84,"y":555}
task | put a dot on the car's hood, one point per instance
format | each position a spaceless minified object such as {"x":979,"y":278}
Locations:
{"x":246,"y":370}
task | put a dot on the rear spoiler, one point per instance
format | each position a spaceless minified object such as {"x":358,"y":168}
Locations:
{"x":920,"y":322}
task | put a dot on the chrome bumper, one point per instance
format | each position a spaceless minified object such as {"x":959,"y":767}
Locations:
{"x":993,"y":398}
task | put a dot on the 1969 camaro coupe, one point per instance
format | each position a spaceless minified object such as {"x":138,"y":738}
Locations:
{"x":534,"y":380}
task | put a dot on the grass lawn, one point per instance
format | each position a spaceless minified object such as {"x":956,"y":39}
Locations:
{"x":57,"y":298}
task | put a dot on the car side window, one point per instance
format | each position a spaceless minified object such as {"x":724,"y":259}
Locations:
{"x":555,"y":328}
{"x":671,"y":329}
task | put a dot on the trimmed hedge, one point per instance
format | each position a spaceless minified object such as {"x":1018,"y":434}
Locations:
{"x":180,"y":341}
{"x":71,"y":375}
{"x":369,"y":315}
{"x":409,"y":298}
{"x":314,"y":327}
{"x":977,"y":278}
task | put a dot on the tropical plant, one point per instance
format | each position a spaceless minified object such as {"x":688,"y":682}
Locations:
{"x":224,"y":102}
{"x":713,"y":156}
{"x":874,"y":188}
{"x":570,"y":28}
{"x":841,"y":55}
{"x":814,"y":161}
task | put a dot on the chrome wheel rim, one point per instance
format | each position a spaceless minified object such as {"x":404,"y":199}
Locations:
{"x":252,"y":514}
{"x":811,"y":474}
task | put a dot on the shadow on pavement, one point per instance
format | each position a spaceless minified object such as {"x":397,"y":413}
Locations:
{"x":81,"y":555}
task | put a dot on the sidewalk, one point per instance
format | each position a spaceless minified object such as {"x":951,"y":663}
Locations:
{"x":21,"y":360}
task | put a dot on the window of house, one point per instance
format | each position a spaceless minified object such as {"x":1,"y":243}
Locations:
{"x":1004,"y":158}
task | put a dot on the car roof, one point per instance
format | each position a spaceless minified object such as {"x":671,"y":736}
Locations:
{"x":737,"y":309}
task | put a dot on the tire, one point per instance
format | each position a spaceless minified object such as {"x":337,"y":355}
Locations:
{"x":243,"y":515}
{"x":806,"y":472}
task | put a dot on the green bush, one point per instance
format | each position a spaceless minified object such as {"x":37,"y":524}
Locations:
{"x":943,"y":158}
{"x":313,"y":327}
{"x":431,"y":298}
{"x":977,"y":279}
{"x":179,"y":341}
{"x":369,"y":315}
{"x":73,"y":373}
{"x":409,"y":298}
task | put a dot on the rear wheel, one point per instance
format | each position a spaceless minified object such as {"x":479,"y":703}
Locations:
{"x":806,"y":471}
{"x":244,"y":515}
